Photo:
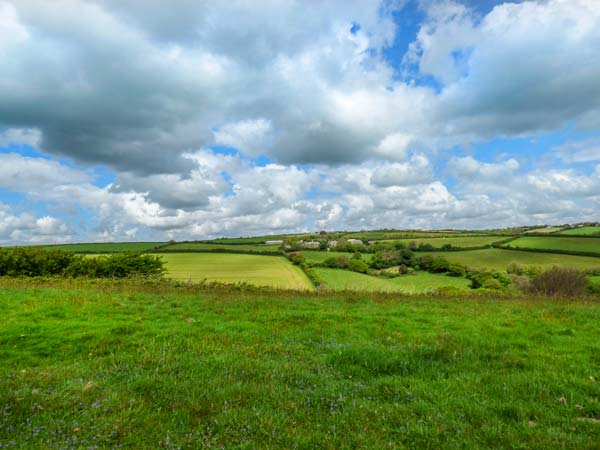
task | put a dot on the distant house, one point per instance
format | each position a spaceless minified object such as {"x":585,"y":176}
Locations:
{"x":311,"y":244}
{"x":277,"y":242}
{"x":332,"y":243}
{"x":371,"y":242}
{"x":355,"y":242}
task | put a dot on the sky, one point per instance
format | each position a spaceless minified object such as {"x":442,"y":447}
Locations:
{"x":150,"y":120}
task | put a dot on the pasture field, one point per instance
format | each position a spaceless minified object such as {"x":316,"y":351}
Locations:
{"x":582,"y":231}
{"x":398,"y":234}
{"x":546,"y":230}
{"x":567,"y":243}
{"x":107,"y":247}
{"x":458,"y":241}
{"x":316,"y":257}
{"x":127,"y":369}
{"x":255,"y":239}
{"x":498,"y":259}
{"x":200,"y":246}
{"x":273,"y":271}
{"x":420,"y":282}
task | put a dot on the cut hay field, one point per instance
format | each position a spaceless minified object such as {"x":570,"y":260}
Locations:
{"x":419,"y":282}
{"x":458,"y":241}
{"x":273,"y":271}
{"x":204,"y":247}
{"x":107,"y":247}
{"x":498,"y":259}
{"x":582,"y":231}
{"x":572,"y":244}
{"x":316,"y":257}
{"x":101,"y":369}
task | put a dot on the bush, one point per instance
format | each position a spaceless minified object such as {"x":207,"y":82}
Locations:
{"x":296,"y":258}
{"x":331,"y":262}
{"x":342,"y":261}
{"x":560,"y":281}
{"x":492,"y":283}
{"x":440,"y":264}
{"x":403,"y":269}
{"x":358,"y":265}
{"x":457,"y":270}
{"x":479,"y":279}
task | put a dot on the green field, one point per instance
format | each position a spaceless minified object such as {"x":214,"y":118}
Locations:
{"x":255,"y":239}
{"x":199,"y":246}
{"x":459,"y":241}
{"x":498,"y":259}
{"x":573,"y":244}
{"x":582,"y":231}
{"x":316,"y":257}
{"x":107,"y":247}
{"x":274,"y":271}
{"x":125,"y":369}
{"x":419,"y":282}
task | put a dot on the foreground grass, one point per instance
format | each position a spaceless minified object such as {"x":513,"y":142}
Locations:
{"x":567,"y":243}
{"x":498,"y":259}
{"x":272,"y":271}
{"x":418,"y":282}
{"x":91,"y":369}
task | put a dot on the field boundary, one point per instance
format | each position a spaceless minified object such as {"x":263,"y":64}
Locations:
{"x":546,"y":250}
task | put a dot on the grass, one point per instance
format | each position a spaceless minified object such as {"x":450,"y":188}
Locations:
{"x":498,"y":259}
{"x":459,"y":241}
{"x":315,"y":257}
{"x":108,"y":247}
{"x":590,"y":245}
{"x":107,"y":369}
{"x":582,"y":231}
{"x":256,"y":239}
{"x":547,"y":230}
{"x":200,"y":246}
{"x":419,"y":282}
{"x":274,"y":271}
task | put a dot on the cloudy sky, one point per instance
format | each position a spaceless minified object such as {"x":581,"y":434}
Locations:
{"x":188,"y":119}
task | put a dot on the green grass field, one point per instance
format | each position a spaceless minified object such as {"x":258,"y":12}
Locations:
{"x":498,"y":259}
{"x":419,"y":282}
{"x":108,"y":247}
{"x":274,"y":271}
{"x":582,"y":231}
{"x":124,"y":369}
{"x":459,"y":241}
{"x":591,"y":245}
{"x":315,"y":257}
{"x":258,"y":248}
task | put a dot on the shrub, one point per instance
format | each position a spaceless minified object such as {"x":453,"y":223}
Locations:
{"x":331,"y":262}
{"x":492,"y":283}
{"x":358,"y":265}
{"x":342,"y":261}
{"x":457,"y":270}
{"x":559,"y":281}
{"x":403,"y":269}
{"x":479,"y":279}
{"x":439,"y":264}
{"x":296,"y":258}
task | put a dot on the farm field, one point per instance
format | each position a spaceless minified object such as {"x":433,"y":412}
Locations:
{"x":582,"y":231}
{"x":199,"y":246}
{"x":315,"y":257}
{"x":107,"y":247}
{"x":498,"y":259}
{"x":273,"y":271}
{"x":574,"y":244}
{"x":419,"y":282}
{"x":458,"y":241}
{"x":127,"y":369}
{"x":255,"y":239}
{"x":546,"y":230}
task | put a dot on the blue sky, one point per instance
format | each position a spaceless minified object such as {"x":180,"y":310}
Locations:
{"x":128,"y":123}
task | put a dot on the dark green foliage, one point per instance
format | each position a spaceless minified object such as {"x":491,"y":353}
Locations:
{"x":457,"y":270}
{"x":440,"y":265}
{"x":484,"y":280}
{"x":560,"y":281}
{"x":331,"y":262}
{"x":392,"y":257}
{"x":296,"y":258}
{"x":37,"y":262}
{"x":358,"y":265}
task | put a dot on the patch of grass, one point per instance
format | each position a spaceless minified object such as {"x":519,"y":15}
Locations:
{"x":573,"y":244}
{"x":94,"y":369}
{"x":498,"y":259}
{"x":582,"y":231}
{"x":418,"y":282}
{"x":200,"y":246}
{"x":274,"y":271}
{"x":107,"y":247}
{"x":459,"y":241}
{"x":315,"y":257}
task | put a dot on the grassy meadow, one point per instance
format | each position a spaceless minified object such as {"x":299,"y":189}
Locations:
{"x":567,"y":243}
{"x":109,"y":369}
{"x":499,"y":259}
{"x":316,"y":256}
{"x":273,"y":271}
{"x":205,"y":247}
{"x":458,"y":241}
{"x":419,"y":282}
{"x":582,"y":231}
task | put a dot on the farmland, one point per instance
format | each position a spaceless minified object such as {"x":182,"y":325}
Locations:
{"x":582,"y":231}
{"x":566,"y":244}
{"x":273,"y":271}
{"x":108,"y":247}
{"x":109,"y":369}
{"x":410,"y":284}
{"x":499,"y":259}
{"x":315,"y":257}
{"x":458,"y":241}
{"x":205,"y":247}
